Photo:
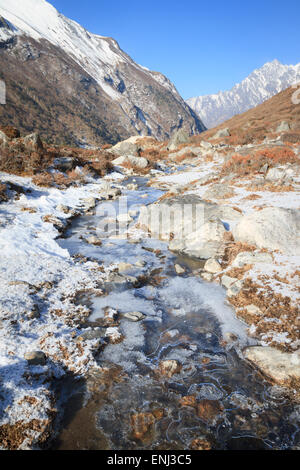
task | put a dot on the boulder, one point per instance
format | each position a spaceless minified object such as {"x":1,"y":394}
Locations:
{"x":212,"y":266}
{"x":33,"y":142}
{"x":248,"y":257}
{"x":134,"y":316}
{"x":283,"y":368}
{"x":283,"y":127}
{"x":228,"y":281}
{"x":35,"y":358}
{"x":222,"y":133}
{"x":182,"y":215}
{"x":280,"y":174}
{"x":273,"y":228}
{"x":178,"y":137}
{"x":127,"y":147}
{"x":218,"y":191}
{"x":92,"y":240}
{"x":179,"y":269}
{"x":139,"y":162}
{"x":204,"y":243}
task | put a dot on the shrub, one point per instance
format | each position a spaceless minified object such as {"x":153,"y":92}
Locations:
{"x":10,"y":131}
{"x":249,"y":164}
{"x":185,"y":156}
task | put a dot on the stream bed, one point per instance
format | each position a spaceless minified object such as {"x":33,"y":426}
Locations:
{"x":214,"y":400}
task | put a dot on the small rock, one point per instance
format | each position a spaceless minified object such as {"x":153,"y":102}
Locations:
{"x":34,"y":313}
{"x":132,"y":187}
{"x":253,"y":310}
{"x":228,"y":281}
{"x":63,"y":208}
{"x":89,"y":203}
{"x":140,"y":263}
{"x":123,"y":267}
{"x":179,"y":269}
{"x":35,"y":358}
{"x":235,"y":289}
{"x":141,"y":424}
{"x":91,"y":334}
{"x":212,"y":266}
{"x":94,"y":241}
{"x":207,"y":276}
{"x":169,"y":367}
{"x":114,"y":335}
{"x":208,"y":410}
{"x":134,"y":316}
{"x":189,"y":400}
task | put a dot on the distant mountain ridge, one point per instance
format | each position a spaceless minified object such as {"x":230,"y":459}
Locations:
{"x":78,"y":85}
{"x":259,"y":86}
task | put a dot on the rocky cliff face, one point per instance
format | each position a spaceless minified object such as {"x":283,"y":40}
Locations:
{"x":258,"y":87}
{"x":77,"y":87}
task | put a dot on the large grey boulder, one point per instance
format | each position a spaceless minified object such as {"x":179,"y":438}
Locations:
{"x":248,"y":257}
{"x":127,"y":147}
{"x":283,"y":127}
{"x":194,"y":227}
{"x":138,"y":162}
{"x":204,"y":243}
{"x":222,"y":133}
{"x":273,"y":228}
{"x":280,"y":174}
{"x":283,"y":368}
{"x":178,"y":137}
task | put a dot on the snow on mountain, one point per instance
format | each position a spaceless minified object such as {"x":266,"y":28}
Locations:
{"x":258,"y":87}
{"x":138,"y":95}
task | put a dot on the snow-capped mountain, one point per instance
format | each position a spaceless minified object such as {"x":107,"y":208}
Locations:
{"x":92,"y":76}
{"x":258,"y":87}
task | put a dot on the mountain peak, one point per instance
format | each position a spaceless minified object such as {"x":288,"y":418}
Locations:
{"x":259,"y":86}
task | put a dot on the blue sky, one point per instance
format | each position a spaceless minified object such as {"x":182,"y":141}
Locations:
{"x":203,"y":47}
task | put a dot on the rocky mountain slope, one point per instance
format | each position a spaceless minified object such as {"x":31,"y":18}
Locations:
{"x":258,"y":87}
{"x":78,"y":87}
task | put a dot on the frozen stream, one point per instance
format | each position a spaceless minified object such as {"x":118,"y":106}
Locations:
{"x":132,"y":405}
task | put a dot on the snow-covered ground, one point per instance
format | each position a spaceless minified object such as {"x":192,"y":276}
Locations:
{"x":38,"y":285}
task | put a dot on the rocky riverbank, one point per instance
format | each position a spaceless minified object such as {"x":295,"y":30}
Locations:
{"x":246,"y":240}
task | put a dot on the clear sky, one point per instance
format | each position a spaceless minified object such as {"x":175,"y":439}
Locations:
{"x":203,"y":47}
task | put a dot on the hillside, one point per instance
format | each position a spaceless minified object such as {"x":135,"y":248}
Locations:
{"x":80,"y":88}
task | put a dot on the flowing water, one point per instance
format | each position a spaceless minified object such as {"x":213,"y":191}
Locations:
{"x":131,"y":405}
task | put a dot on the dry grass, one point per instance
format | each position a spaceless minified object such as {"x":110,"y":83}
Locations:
{"x":260,"y":122}
{"x":244,"y":165}
{"x":185,"y":156}
{"x":272,"y":306}
{"x":3,"y":195}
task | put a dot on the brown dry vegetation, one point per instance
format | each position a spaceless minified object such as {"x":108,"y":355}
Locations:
{"x":260,"y":122}
{"x":244,"y":165}
{"x":273,"y":306}
{"x":3,"y":195}
{"x":23,"y":158}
